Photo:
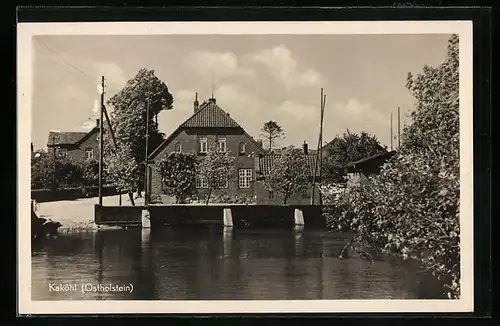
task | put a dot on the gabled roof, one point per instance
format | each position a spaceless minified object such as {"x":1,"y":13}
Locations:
{"x":65,"y":138}
{"x":210,"y":115}
{"x":265,"y":163}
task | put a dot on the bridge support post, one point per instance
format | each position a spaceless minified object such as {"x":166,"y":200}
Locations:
{"x":228,"y":217}
{"x":145,"y":219}
{"x":298,"y":217}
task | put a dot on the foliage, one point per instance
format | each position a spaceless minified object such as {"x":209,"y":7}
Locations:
{"x":289,"y":173}
{"x":90,"y":172}
{"x":121,"y":168}
{"x":42,"y":170}
{"x":411,"y":209}
{"x":234,"y":199}
{"x":271,"y":132}
{"x":130,"y":115}
{"x":44,"y":166}
{"x":345,"y":148}
{"x":177,"y":171}
{"x":215,"y":168}
{"x":137,"y":88}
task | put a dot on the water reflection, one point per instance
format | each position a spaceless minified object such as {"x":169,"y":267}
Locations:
{"x":219,"y":264}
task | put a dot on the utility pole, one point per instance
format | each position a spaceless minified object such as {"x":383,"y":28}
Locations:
{"x":321,"y":147}
{"x":54,"y":162}
{"x":101,"y":149}
{"x":399,"y":128}
{"x":391,"y":131}
{"x":146,"y":167}
{"x":318,"y":160}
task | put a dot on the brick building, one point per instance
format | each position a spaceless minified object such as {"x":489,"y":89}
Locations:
{"x":76,"y":146}
{"x":208,"y":124}
{"x":263,"y":167}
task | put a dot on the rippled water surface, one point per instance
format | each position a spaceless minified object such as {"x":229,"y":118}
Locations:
{"x":211,"y":263}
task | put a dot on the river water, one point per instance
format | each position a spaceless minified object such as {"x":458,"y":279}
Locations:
{"x":211,"y":263}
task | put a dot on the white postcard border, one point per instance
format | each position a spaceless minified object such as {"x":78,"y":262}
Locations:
{"x":24,"y":69}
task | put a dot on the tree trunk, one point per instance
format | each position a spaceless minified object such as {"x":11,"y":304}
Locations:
{"x":139,"y":189}
{"x":209,"y":194}
{"x":131,"y":197}
{"x":285,"y":199}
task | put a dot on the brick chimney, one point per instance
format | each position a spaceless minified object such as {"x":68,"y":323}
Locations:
{"x":305,"y":147}
{"x":212,"y":100}
{"x":196,"y":103}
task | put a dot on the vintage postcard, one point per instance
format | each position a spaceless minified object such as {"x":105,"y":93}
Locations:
{"x":244,"y":167}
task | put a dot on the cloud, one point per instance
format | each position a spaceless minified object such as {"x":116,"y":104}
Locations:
{"x":221,"y":64}
{"x":251,"y":111}
{"x":115,"y":76}
{"x":284,"y":67}
{"x":356,"y":116}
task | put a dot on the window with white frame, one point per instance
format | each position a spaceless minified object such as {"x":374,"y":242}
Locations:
{"x":221,"y":142}
{"x":178,"y":147}
{"x":89,"y":153}
{"x":203,"y":147}
{"x":61,"y":152}
{"x":242,"y":148}
{"x":244,"y":178}
{"x":201,"y":182}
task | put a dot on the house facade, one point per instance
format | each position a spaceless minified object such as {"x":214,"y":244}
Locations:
{"x":263,"y":168}
{"x":75,"y":146}
{"x":207,"y":125}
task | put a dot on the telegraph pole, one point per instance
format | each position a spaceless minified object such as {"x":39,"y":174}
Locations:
{"x":101,"y":151}
{"x":146,"y":168}
{"x":391,"y":131}
{"x":399,"y":128}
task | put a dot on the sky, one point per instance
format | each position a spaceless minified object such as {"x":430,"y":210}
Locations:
{"x":255,"y":78}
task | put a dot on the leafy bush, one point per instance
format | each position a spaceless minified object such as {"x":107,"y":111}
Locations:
{"x":234,"y":199}
{"x":411,"y":208}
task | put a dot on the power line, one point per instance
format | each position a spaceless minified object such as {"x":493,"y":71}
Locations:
{"x":94,"y":80}
{"x":66,"y":61}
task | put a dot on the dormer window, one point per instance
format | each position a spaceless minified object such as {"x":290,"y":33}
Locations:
{"x":178,"y":147}
{"x":242,"y":148}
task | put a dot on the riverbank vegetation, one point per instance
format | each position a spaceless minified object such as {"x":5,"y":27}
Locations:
{"x":411,"y":208}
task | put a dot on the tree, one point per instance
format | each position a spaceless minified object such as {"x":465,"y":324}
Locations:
{"x":50,"y":173}
{"x":90,"y":172}
{"x":271,"y":132}
{"x":345,"y":148}
{"x":177,"y":171}
{"x":121,"y":168}
{"x":215,"y":168}
{"x":289,"y":173}
{"x":42,"y":170}
{"x":411,"y":209}
{"x":130,"y":115}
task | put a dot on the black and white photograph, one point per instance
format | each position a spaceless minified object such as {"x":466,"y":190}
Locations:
{"x":244,"y":167}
